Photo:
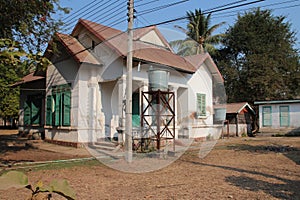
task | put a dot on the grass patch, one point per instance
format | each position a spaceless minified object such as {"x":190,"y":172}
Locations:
{"x":56,"y":165}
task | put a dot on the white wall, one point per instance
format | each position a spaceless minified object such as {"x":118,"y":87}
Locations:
{"x":201,"y":82}
{"x":294,"y":115}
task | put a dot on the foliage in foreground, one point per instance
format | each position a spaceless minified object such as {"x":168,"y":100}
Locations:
{"x":15,"y":179}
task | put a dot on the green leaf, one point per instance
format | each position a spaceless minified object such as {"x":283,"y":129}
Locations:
{"x":13,"y":179}
{"x":63,"y":188}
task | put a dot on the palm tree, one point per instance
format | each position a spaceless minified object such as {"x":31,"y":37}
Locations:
{"x":199,"y":32}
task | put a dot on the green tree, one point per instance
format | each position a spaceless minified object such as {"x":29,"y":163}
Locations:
{"x":12,"y":68}
{"x":30,"y":22}
{"x":199,"y":33}
{"x":258,"y":59}
{"x":25,"y":29}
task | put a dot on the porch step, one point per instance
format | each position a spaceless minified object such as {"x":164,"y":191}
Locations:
{"x":107,"y":146}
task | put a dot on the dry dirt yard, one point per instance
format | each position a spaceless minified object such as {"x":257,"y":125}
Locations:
{"x":237,"y":168}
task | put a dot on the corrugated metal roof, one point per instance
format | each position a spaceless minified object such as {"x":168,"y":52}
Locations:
{"x":199,"y":59}
{"x":277,"y":102}
{"x":81,"y":54}
{"x":142,"y":51}
{"x":28,"y":78}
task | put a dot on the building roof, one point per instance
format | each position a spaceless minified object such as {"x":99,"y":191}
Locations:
{"x":81,"y":54}
{"x":117,"y":40}
{"x":199,"y":59}
{"x":28,"y":78}
{"x":277,"y":102}
{"x":237,"y":107}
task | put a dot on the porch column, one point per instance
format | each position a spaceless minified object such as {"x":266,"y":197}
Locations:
{"x":121,"y":108}
{"x":92,"y":111}
{"x":174,"y":89}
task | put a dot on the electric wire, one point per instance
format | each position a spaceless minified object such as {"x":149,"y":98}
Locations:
{"x":212,"y":11}
{"x":139,"y":5}
{"x":143,"y":12}
{"x":80,"y":11}
{"x":269,"y":5}
{"x":102,"y":29}
{"x":229,"y":4}
{"x":92,"y":12}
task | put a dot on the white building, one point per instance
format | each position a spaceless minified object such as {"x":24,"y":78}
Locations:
{"x":85,"y":86}
{"x":279,"y":114}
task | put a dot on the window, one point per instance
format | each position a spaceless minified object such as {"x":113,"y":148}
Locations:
{"x":267,"y":117}
{"x":284,"y":116}
{"x":58,"y":111}
{"x":93,"y":45}
{"x":32,"y":110}
{"x":201,"y":105}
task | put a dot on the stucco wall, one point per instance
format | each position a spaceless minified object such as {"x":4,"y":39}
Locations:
{"x":294,"y":115}
{"x":201,"y":82}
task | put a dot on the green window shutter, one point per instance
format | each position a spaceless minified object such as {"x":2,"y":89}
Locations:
{"x":27,"y":113}
{"x":57,"y":111}
{"x":49,"y":111}
{"x":201,"y":104}
{"x":36,"y":111}
{"x":66,"y":108}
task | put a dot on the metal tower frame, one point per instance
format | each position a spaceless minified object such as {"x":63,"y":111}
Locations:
{"x":158,"y":117}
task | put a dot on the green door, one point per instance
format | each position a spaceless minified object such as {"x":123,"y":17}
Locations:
{"x":284,"y":116}
{"x":267,"y":116}
{"x":136,"y":109}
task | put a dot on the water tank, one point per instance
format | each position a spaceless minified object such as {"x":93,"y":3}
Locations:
{"x":158,"y":79}
{"x":220,"y":114}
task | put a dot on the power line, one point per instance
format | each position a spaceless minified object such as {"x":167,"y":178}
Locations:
{"x":87,"y":6}
{"x":213,"y":11}
{"x":274,"y":4}
{"x":143,"y":12}
{"x":92,"y":12}
{"x":146,"y":3}
{"x":229,"y":4}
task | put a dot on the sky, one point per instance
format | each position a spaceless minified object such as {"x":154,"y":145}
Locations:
{"x":113,"y":12}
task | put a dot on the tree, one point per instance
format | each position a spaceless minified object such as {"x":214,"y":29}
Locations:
{"x":11,"y":68}
{"x":25,"y":29}
{"x":30,"y":22}
{"x":258,"y":59}
{"x":199,"y":32}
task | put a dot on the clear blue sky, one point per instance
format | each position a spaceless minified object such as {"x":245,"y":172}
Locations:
{"x":112,"y":12}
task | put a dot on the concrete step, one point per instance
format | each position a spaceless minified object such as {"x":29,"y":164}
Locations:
{"x":106,"y":145}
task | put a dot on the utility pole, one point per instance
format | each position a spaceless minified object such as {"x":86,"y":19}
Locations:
{"x":128,"y":111}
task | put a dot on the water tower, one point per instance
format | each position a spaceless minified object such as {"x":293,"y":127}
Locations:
{"x":158,"y":110}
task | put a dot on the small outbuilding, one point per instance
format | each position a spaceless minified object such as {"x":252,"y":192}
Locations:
{"x":279,"y":114}
{"x":239,"y":119}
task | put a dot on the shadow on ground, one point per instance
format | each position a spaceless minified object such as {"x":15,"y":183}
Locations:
{"x":12,"y":144}
{"x":290,"y":152}
{"x":286,"y":189}
{"x":293,"y":133}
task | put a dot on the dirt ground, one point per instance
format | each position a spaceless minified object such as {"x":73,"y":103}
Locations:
{"x":237,"y":168}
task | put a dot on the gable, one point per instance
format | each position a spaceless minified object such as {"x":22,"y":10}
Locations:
{"x":152,"y":38}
